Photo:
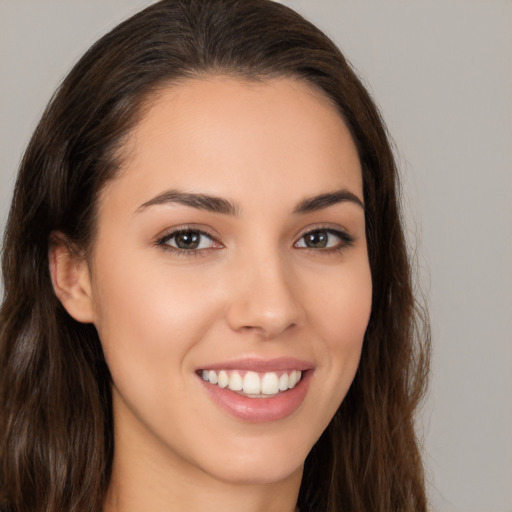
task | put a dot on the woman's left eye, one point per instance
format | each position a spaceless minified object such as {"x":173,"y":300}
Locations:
{"x":188,"y":240}
{"x":324,"y":239}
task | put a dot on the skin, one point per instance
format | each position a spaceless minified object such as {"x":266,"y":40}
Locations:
{"x":255,"y":291}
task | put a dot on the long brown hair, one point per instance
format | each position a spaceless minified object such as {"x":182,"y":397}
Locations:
{"x":56,"y":424}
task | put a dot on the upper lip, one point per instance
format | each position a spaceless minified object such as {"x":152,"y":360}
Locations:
{"x":261,"y":365}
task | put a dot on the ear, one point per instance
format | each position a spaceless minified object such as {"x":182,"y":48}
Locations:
{"x":71,"y":279}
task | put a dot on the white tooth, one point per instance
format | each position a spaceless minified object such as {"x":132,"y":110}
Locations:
{"x":292,"y":380}
{"x":235,"y":382}
{"x":252,"y":383}
{"x":283,"y":382}
{"x":299,"y":375}
{"x":205,"y":375}
{"x":269,"y":384}
{"x":223,"y":379}
{"x":212,"y":376}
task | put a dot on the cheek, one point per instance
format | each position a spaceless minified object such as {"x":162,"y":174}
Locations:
{"x":149,"y":315}
{"x":150,"y":321}
{"x":341,"y":304}
{"x":339,"y":313}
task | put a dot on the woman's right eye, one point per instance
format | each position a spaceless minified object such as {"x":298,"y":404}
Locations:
{"x":188,"y":240}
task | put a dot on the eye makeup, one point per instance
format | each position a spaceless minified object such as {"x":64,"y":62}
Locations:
{"x":325,"y":240}
{"x":189,"y":241}
{"x":194,"y":241}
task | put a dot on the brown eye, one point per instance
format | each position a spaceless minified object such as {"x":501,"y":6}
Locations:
{"x":188,"y":240}
{"x":324,"y":239}
{"x":316,"y":239}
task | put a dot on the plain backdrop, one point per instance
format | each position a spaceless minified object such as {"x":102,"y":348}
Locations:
{"x":441,"y":72}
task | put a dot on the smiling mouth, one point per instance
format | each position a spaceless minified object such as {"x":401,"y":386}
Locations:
{"x":253,"y":384}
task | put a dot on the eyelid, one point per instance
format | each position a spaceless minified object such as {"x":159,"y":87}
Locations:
{"x":342,"y":233}
{"x":346,"y":239}
{"x":161,"y":239}
{"x":328,"y":226}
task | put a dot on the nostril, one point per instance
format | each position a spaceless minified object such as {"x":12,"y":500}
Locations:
{"x":266,"y":331}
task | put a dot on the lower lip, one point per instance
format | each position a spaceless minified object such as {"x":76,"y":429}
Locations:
{"x":260,"y":410}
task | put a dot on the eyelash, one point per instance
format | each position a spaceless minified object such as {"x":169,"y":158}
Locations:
{"x":346,"y":240}
{"x":163,"y":242}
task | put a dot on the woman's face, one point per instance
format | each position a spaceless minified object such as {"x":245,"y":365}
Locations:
{"x":231,"y":253}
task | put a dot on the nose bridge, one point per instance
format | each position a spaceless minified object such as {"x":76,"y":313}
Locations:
{"x":264,"y":298}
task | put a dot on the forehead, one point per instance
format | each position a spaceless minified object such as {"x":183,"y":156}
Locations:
{"x":218,"y":133}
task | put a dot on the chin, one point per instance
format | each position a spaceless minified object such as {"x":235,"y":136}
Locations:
{"x":259,"y":465}
{"x":260,"y":473}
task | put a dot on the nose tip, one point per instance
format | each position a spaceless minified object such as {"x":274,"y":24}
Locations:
{"x":268,"y":324}
{"x":265,"y":302}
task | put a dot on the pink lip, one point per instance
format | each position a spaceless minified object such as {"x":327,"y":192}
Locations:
{"x":260,"y":410}
{"x":260,"y":365}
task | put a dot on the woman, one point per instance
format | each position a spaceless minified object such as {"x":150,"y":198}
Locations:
{"x":207,"y":293}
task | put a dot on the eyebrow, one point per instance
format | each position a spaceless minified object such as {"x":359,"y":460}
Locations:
{"x":322,"y":201}
{"x":220,"y":205}
{"x":199,"y":201}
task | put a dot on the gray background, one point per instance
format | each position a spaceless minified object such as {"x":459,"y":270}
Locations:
{"x":441,"y":72}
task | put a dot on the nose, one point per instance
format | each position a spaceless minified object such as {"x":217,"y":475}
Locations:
{"x":264,"y":298}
